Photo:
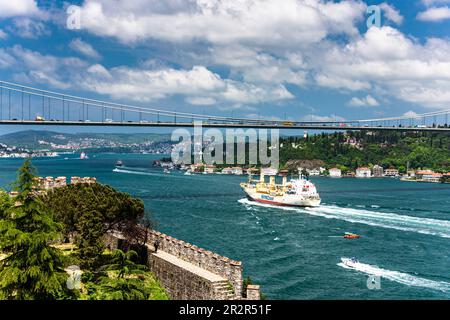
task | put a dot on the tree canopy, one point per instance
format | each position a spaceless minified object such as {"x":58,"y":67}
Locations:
{"x":32,"y":268}
{"x":89,"y":211}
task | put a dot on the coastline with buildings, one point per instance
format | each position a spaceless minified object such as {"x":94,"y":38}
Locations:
{"x":364,"y":172}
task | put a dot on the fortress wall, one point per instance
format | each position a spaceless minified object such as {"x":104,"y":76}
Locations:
{"x":182,"y":283}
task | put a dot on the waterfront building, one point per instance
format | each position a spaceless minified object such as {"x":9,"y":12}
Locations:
{"x":237,"y":171}
{"x":196,"y":167}
{"x":227,"y":170}
{"x":335,"y":172}
{"x":48,"y":183}
{"x":391,"y":172}
{"x":377,"y":171}
{"x":424,"y":173}
{"x":429,"y":176}
{"x":269,"y":171}
{"x":313,"y":172}
{"x":363,"y":172}
{"x":350,"y":174}
{"x":74,"y":180}
{"x":60,"y":182}
{"x":209,"y":168}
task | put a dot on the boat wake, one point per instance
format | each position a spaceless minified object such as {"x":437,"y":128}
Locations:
{"x":399,"y":277}
{"x":136,"y":172}
{"x":435,"y":227}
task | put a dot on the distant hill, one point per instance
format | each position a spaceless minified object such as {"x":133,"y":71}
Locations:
{"x":31,"y":138}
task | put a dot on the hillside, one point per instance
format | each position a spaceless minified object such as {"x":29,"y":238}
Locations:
{"x":388,"y":149}
{"x":41,"y":139}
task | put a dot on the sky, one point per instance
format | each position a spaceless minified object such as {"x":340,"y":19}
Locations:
{"x":290,"y":59}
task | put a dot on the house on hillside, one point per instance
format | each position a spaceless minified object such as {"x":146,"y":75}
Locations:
{"x":363,"y":172}
{"x":335,"y":173}
{"x":377,"y":171}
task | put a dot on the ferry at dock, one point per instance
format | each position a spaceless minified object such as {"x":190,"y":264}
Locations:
{"x":294,"y":193}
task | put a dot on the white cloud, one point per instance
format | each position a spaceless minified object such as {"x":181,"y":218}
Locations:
{"x":3,"y":35}
{"x":36,"y":68}
{"x":391,"y":13}
{"x":84,"y":48}
{"x":387,"y":60}
{"x":14,"y":8}
{"x":201,"y":101}
{"x":317,"y":118}
{"x":266,"y":23}
{"x":6,"y":59}
{"x":433,"y":2}
{"x":26,"y":27}
{"x":367,"y":101}
{"x":434,"y":14}
{"x":199,"y":85}
{"x":410,"y":114}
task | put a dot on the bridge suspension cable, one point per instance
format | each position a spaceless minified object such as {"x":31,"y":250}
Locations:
{"x":64,"y":105}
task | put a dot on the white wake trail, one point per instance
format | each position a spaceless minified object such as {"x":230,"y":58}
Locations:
{"x":435,"y":227}
{"x":399,"y":277}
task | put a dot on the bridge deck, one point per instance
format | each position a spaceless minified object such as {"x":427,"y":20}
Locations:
{"x":219,"y":125}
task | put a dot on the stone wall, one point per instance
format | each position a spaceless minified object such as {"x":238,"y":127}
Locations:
{"x":205,"y":259}
{"x":184,"y":284}
{"x":181,"y":284}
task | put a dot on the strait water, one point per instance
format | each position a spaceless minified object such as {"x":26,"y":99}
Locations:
{"x":293,"y":253}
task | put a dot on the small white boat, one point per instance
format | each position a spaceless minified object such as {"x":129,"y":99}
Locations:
{"x":166,"y":171}
{"x":187,"y":173}
{"x":83,"y":156}
{"x":119,"y":163}
{"x":350,"y":262}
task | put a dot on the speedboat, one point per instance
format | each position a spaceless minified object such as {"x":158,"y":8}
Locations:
{"x":349,"y":235}
{"x":350,"y":262}
{"x":119,"y":163}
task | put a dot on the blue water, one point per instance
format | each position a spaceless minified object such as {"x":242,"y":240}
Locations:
{"x":293,"y":253}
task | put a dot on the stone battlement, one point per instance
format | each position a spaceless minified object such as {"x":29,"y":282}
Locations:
{"x":205,"y":259}
{"x":221,"y":277}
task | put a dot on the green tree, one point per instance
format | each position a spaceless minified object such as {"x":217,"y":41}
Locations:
{"x":89,"y":211}
{"x":32,"y":268}
{"x":126,"y":280}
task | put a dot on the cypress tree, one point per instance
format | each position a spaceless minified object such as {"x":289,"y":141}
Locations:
{"x":32,"y":269}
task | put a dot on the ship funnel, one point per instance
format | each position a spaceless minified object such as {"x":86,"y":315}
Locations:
{"x":272,"y":180}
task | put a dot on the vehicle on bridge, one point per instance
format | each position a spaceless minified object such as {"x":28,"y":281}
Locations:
{"x":288,"y":123}
{"x":39,"y":118}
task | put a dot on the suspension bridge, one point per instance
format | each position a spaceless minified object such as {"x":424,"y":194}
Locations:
{"x":25,"y":105}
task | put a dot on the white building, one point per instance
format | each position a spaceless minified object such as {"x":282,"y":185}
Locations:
{"x":227,"y":170}
{"x":335,"y":173}
{"x":313,"y":172}
{"x":391,"y":172}
{"x":237,"y":171}
{"x":269,"y":171}
{"x":378,"y":171}
{"x":363,"y":172}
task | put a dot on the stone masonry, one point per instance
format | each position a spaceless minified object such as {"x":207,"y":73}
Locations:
{"x":189,"y":272}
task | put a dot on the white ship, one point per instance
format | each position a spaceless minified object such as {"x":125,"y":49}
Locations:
{"x":296,"y":193}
